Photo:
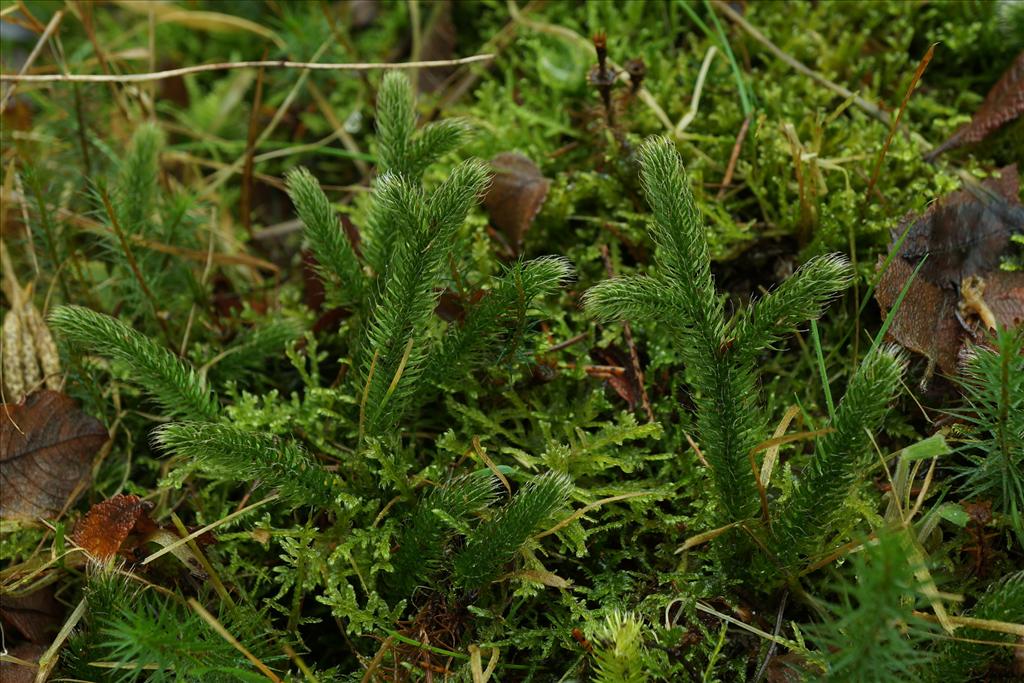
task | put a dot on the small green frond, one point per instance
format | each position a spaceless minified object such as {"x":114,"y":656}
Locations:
{"x":842,"y":456}
{"x":402,"y":149}
{"x":173,"y":384}
{"x":149,"y":637}
{"x":159,"y":640}
{"x":730,"y":422}
{"x":635,"y":298}
{"x":993,"y":385}
{"x":959,"y":659}
{"x":493,"y":544}
{"x":389,"y":224}
{"x":678,"y":230}
{"x":136,"y":188}
{"x":800,"y":298}
{"x":425,"y":533}
{"x":494,"y":327}
{"x":450,"y":203}
{"x":436,"y":139}
{"x":872,"y":633}
{"x":396,"y":121}
{"x":326,"y":237}
{"x":232,"y":454}
{"x":253,"y":347}
{"x":398,"y":329}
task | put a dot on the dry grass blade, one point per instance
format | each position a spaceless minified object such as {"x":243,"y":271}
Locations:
{"x":49,"y":658}
{"x":899,"y":115}
{"x":226,"y":635}
{"x":50,"y":28}
{"x":700,"y":539}
{"x":983,"y":624}
{"x":490,"y":464}
{"x":772,"y":454}
{"x":209,"y":527}
{"x":733,"y":158}
{"x":593,"y":506}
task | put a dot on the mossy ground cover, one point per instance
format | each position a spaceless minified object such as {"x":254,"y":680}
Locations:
{"x":409,"y":438}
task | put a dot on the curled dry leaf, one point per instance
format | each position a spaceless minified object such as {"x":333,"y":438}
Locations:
{"x":1004,"y":103}
{"x":515,"y":195}
{"x":122,"y":525}
{"x":12,"y":672}
{"x":104,"y":530}
{"x":960,"y":289}
{"x":46,"y":448}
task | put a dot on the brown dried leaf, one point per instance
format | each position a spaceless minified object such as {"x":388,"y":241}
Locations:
{"x":105,"y":528}
{"x":788,"y":668}
{"x":515,"y":195}
{"x":37,"y":616}
{"x":122,"y":525}
{"x":10,"y":672}
{"x":46,"y":448}
{"x":361,"y":13}
{"x":1004,"y":103}
{"x":1004,"y":294}
{"x":964,"y":235}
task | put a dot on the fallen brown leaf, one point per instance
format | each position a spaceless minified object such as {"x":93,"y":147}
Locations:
{"x":10,"y":672}
{"x":106,"y":527}
{"x":439,"y":41}
{"x":1004,"y":103}
{"x":964,"y":235}
{"x":46,"y":448}
{"x":37,"y":616}
{"x":122,"y":525}
{"x":515,"y":195}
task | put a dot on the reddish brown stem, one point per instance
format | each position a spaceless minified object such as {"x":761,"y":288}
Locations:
{"x":733,"y":157}
{"x":628,"y":333}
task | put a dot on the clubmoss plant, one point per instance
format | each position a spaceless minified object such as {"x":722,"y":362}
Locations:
{"x":454,"y":539}
{"x":873,"y":633}
{"x":409,"y":246}
{"x":722,"y":358}
{"x":619,"y":658}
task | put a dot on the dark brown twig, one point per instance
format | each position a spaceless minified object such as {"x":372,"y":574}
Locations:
{"x":567,"y":343}
{"x":602,"y":77}
{"x":245,"y":201}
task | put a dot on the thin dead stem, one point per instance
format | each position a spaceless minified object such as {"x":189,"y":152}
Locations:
{"x":224,"y":66}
